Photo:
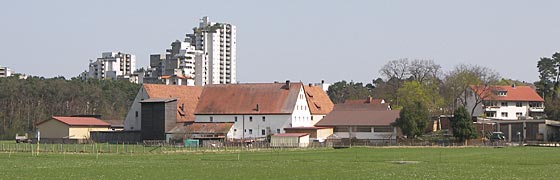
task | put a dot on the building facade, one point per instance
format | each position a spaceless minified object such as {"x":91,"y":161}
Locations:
{"x":112,"y":65}
{"x":218,"y":43}
{"x":505,"y":102}
{"x":5,"y":72}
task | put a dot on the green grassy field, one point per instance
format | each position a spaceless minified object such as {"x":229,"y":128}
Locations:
{"x":353,"y":163}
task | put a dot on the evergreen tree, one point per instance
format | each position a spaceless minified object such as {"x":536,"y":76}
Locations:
{"x":463,"y":128}
{"x":413,"y":120}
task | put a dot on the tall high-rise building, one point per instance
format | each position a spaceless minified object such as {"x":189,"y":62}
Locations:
{"x":207,"y":56}
{"x":217,"y":41}
{"x":112,"y":65}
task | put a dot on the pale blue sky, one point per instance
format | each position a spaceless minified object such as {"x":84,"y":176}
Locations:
{"x":307,"y":41}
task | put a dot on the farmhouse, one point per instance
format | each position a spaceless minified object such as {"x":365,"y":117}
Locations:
{"x":76,"y":129}
{"x":505,"y":102}
{"x":256,"y":110}
{"x":361,"y":121}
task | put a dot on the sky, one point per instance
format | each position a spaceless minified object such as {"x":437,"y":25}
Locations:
{"x":306,"y":41}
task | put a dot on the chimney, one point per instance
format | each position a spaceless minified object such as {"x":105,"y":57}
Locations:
{"x":369,"y":99}
{"x":257,"y":109}
{"x":288,"y":84}
{"x":513,"y":85}
{"x":310,"y":84}
{"x":275,"y":82}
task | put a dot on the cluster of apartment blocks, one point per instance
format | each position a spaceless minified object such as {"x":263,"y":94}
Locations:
{"x":207,"y":56}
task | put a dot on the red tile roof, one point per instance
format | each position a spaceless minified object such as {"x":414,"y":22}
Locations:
{"x":271,"y":98}
{"x":359,"y":118}
{"x":78,"y":121}
{"x":187,"y":98}
{"x":317,"y":100}
{"x":362,"y":107}
{"x":290,"y":135}
{"x":203,"y":128}
{"x":306,"y":128}
{"x":517,"y":93}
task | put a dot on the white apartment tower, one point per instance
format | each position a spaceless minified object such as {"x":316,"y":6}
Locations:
{"x":112,"y":65}
{"x":217,"y":41}
{"x":5,"y":72}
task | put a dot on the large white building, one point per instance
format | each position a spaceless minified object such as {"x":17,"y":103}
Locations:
{"x":243,"y":111}
{"x":505,"y":102}
{"x":112,"y":65}
{"x":217,"y":41}
{"x":5,"y":72}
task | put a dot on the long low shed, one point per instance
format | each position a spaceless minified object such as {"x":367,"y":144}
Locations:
{"x":289,"y":140}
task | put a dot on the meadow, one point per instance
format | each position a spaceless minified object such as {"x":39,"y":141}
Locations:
{"x":325,"y":163}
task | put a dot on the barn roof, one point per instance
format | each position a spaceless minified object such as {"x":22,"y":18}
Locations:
{"x":317,"y":100}
{"x":359,"y":118}
{"x":78,"y":121}
{"x":187,"y":98}
{"x":254,"y":98}
{"x":203,"y":128}
{"x":290,"y":135}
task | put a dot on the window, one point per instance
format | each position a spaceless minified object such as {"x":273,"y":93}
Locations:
{"x":501,"y":93}
{"x":250,"y":118}
{"x":341,"y":129}
{"x":250,"y":131}
{"x":311,"y":118}
{"x":263,"y":119}
{"x":383,"y":129}
{"x":278,"y":131}
{"x":518,"y":104}
{"x":136,"y":113}
{"x":363,"y":129}
{"x":263,"y":132}
{"x":235,"y":119}
{"x":244,"y":130}
{"x":211,"y":119}
{"x":234,"y":130}
{"x":504,"y":114}
{"x":518,"y":114}
{"x":504,"y":104}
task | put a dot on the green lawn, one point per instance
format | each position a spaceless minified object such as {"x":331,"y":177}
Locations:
{"x":353,"y":163}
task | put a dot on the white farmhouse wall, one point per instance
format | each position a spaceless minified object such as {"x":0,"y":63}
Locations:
{"x":301,"y":117}
{"x":134,"y":116}
{"x":250,"y":126}
{"x":368,"y":135}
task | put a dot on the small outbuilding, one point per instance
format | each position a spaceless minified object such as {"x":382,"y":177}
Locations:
{"x":289,"y":140}
{"x":64,"y":129}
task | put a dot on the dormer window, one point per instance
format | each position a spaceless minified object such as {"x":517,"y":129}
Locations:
{"x":501,"y":93}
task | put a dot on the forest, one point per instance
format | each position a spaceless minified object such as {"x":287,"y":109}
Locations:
{"x":23,"y":102}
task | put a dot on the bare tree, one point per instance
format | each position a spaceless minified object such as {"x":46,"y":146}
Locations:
{"x":396,"y":69}
{"x":465,"y":81}
{"x":421,"y":70}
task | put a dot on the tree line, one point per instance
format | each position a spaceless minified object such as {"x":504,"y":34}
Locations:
{"x":421,"y":90}
{"x":23,"y":102}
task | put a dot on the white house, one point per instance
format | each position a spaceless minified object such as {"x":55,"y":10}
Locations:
{"x":257,"y":109}
{"x":505,"y":102}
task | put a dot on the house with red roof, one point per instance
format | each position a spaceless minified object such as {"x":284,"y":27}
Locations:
{"x":70,"y":128}
{"x":504,"y":102}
